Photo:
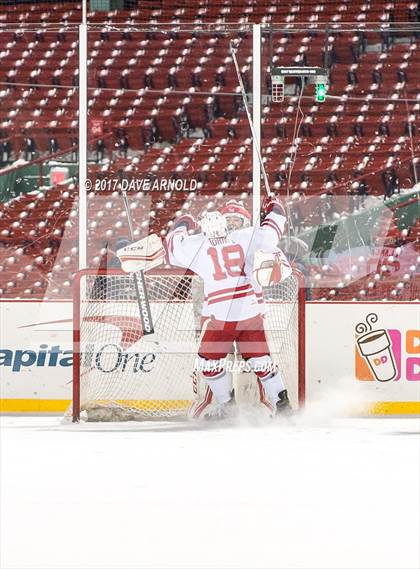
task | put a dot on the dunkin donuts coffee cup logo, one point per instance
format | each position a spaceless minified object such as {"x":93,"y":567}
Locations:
{"x":375,"y":348}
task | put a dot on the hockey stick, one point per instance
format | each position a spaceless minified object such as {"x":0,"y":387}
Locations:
{"x":233,"y":50}
{"x":139,"y":281}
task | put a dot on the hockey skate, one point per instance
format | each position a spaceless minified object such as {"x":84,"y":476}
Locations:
{"x":222,"y":411}
{"x":283,"y":406}
{"x":209,"y":410}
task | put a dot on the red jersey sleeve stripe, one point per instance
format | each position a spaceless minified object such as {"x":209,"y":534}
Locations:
{"x":270,"y":223}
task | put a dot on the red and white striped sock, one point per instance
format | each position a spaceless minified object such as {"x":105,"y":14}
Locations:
{"x":272,"y":384}
{"x":220,"y":385}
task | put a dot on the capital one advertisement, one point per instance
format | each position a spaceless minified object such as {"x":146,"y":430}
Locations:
{"x":36,"y":356}
{"x":366,"y":356}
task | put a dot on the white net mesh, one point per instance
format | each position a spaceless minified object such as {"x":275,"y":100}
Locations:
{"x":126,"y":376}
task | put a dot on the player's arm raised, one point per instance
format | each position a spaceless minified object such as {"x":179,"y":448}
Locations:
{"x":273,"y":223}
{"x":180,"y":249}
{"x":270,"y":266}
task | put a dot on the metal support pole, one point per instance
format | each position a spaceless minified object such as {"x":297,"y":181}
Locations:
{"x":83,"y":141}
{"x":256,"y":121}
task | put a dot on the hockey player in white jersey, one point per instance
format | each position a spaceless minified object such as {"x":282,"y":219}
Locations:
{"x":223,"y":255}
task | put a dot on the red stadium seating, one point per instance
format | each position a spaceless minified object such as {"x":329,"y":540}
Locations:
{"x":174,"y":96}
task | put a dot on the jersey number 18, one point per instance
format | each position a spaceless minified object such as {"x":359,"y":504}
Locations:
{"x":233,"y":261}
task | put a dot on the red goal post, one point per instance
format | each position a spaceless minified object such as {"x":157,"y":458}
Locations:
{"x":120,"y":375}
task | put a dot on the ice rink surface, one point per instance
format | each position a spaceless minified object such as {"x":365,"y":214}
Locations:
{"x":338,"y":493}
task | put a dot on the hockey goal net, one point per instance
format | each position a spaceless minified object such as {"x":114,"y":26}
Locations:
{"x":119,"y":374}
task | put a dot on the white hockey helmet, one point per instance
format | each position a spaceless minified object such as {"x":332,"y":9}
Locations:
{"x":237,"y":217}
{"x":213,"y":225}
